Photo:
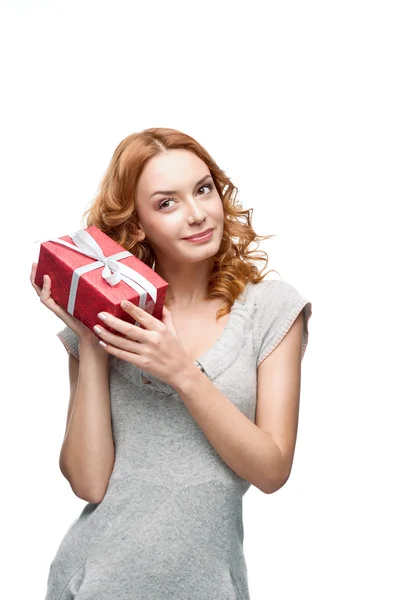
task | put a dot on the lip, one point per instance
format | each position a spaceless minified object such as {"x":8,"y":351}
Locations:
{"x":200,"y":236}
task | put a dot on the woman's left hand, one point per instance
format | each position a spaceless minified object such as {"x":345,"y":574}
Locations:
{"x":155,"y":349}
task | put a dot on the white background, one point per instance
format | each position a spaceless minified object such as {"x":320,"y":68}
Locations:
{"x":298,"y":102}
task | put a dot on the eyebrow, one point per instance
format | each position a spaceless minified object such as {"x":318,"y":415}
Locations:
{"x":174,"y":191}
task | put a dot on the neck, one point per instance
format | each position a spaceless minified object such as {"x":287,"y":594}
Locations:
{"x":188,"y":283}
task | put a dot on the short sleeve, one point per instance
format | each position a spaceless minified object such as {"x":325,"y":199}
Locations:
{"x":278,"y":306}
{"x":70,"y":340}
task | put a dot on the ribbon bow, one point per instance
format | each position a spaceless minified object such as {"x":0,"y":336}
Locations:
{"x":113,"y":272}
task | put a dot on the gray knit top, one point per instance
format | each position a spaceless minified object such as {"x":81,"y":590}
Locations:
{"x":170,"y":525}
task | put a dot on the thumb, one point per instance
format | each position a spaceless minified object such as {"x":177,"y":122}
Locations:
{"x":166,"y":316}
{"x":168,"y":321}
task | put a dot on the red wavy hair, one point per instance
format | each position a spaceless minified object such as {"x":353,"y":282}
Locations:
{"x":113,"y":212}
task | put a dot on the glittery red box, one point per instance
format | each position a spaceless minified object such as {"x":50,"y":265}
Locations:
{"x":93,"y":293}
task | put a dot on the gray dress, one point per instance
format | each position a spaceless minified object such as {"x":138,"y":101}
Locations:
{"x":170,"y":525}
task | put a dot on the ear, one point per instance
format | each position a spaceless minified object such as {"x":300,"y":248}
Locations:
{"x":140,"y":235}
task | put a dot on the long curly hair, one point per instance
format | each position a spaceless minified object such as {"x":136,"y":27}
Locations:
{"x":113,"y":212}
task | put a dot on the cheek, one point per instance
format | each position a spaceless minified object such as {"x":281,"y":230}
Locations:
{"x":218,"y":212}
{"x":164,"y":229}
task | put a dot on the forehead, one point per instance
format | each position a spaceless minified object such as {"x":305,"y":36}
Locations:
{"x":172,"y":170}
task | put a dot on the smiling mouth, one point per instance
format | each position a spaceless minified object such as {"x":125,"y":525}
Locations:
{"x":199,"y":235}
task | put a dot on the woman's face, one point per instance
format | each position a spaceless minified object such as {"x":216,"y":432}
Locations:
{"x":168,"y":217}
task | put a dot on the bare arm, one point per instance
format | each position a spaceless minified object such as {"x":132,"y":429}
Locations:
{"x":262,"y":452}
{"x":88,"y":453}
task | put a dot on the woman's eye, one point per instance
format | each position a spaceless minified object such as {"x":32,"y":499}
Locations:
{"x":161,"y":205}
{"x":208,"y":185}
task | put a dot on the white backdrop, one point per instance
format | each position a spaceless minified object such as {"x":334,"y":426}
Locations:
{"x":298,"y":102}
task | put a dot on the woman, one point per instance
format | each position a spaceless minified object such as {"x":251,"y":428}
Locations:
{"x":170,"y":423}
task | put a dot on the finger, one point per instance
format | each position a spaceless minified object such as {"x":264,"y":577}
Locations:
{"x":33,"y":272}
{"x":130,"y":357}
{"x":131,"y":331}
{"x":117,"y":341}
{"x":46,"y":289}
{"x":168,"y":321}
{"x":45,"y":297}
{"x":32,"y":279}
{"x":144,"y":318}
{"x":167,"y":315}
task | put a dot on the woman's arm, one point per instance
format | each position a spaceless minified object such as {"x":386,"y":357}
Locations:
{"x":261,"y":452}
{"x":88,"y":453}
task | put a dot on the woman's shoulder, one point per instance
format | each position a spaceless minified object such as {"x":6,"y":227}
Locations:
{"x":269,"y":288}
{"x":276,"y":304}
{"x":70,"y":341}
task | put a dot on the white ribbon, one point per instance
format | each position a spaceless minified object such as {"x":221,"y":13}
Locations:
{"x":113,"y":271}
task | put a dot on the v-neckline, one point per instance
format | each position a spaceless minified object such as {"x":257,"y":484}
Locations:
{"x":227,"y":326}
{"x":206,"y":356}
{"x":207,"y":352}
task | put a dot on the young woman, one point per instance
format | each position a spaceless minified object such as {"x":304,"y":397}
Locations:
{"x":170,"y":423}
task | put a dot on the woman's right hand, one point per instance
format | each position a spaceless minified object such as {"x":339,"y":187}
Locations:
{"x":83,"y":332}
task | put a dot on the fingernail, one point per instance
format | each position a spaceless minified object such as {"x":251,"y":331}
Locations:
{"x":102,"y":316}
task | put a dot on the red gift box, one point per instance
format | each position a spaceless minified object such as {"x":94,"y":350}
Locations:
{"x":86,"y":285}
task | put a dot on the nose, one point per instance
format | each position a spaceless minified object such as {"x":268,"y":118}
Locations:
{"x":196,"y":213}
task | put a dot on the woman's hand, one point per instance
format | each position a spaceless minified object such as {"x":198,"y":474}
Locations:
{"x":155,"y":349}
{"x":83,"y":332}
